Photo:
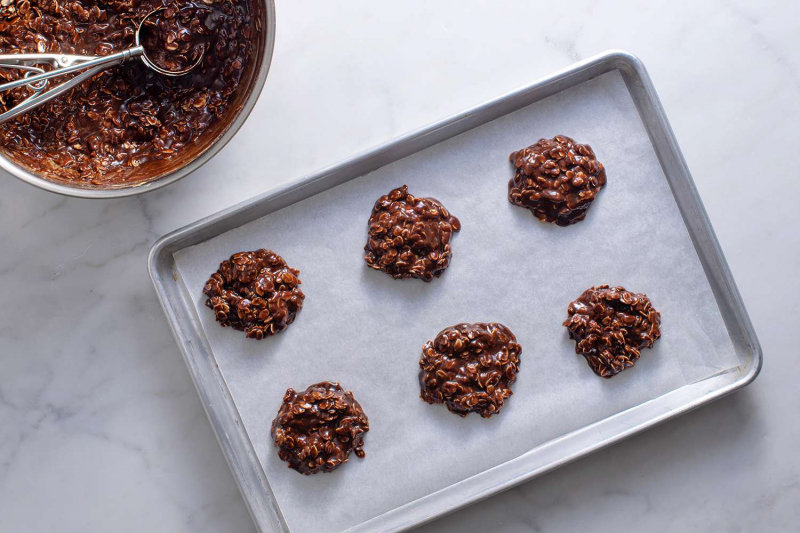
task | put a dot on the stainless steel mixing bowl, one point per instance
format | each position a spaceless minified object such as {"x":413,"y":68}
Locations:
{"x":264,"y":59}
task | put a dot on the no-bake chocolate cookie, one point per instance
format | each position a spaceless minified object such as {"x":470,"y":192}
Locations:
{"x":556,"y":179}
{"x":410,"y":236}
{"x":611,"y":326}
{"x":318,"y":428}
{"x":255,"y":292}
{"x":470,"y":368}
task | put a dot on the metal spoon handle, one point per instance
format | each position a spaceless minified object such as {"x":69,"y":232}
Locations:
{"x":40,"y":98}
{"x":101,"y":63}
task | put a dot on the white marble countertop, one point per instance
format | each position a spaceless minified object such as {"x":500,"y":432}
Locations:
{"x":102,"y":429}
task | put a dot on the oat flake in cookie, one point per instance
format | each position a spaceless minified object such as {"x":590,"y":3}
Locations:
{"x":410,"y":236}
{"x":556,"y":179}
{"x":470,"y":368}
{"x":255,"y":292}
{"x":318,"y":428}
{"x":610,"y":326}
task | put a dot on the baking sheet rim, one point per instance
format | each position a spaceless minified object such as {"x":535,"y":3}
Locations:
{"x":265,"y":513}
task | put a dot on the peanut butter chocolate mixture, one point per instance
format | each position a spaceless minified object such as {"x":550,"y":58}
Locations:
{"x":128,"y":124}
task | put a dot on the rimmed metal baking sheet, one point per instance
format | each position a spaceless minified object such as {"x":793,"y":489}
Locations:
{"x":229,"y":395}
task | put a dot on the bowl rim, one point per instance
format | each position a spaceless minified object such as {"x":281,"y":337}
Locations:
{"x":77,"y":192}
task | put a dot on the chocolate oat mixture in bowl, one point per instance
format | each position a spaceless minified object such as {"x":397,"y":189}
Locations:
{"x":129,"y":129}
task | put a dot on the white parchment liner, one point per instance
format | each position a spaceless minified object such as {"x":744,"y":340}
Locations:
{"x":364,"y":329}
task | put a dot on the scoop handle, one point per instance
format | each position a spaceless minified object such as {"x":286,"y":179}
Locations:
{"x":41,"y":98}
{"x":100,"y":63}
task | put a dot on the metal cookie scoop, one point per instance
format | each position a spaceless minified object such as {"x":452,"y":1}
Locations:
{"x":37,"y":78}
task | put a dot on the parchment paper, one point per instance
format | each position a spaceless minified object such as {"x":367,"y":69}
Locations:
{"x":366,"y":330}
